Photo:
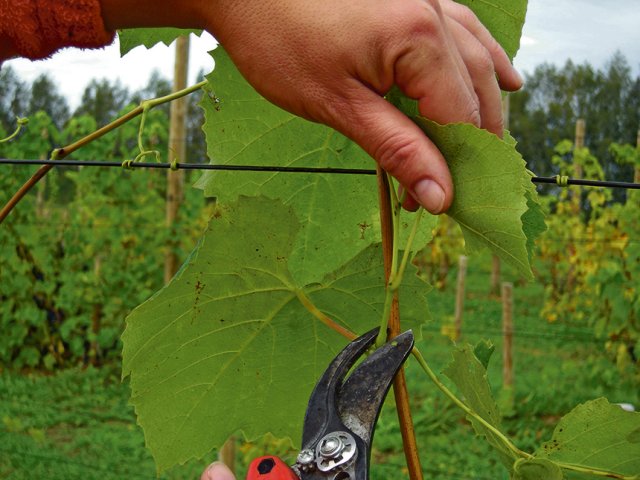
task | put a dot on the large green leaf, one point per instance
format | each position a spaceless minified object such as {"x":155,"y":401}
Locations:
{"x":229,"y":346}
{"x":495,"y":202}
{"x":470,"y":376}
{"x":339,"y":213}
{"x":597,"y":435}
{"x":148,"y":37}
{"x":503,"y":18}
{"x":492,"y":192}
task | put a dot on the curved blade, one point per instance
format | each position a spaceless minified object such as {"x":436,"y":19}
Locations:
{"x":322,"y":410}
{"x":362,"y":395}
{"x":353,"y":406}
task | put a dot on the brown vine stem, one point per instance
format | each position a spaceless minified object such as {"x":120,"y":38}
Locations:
{"x":400,"y":391}
{"x":61,"y":153}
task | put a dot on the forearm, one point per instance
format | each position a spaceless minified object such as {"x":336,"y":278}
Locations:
{"x":36,"y":28}
{"x":119,"y":14}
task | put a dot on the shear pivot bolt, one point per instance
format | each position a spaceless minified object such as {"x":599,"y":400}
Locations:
{"x":331,"y":447}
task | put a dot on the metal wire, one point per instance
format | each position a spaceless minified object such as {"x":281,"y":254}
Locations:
{"x":259,"y":168}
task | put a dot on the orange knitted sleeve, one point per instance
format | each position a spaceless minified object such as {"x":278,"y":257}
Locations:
{"x":37,"y":28}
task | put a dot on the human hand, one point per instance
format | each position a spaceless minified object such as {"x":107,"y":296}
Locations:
{"x":217,"y":471}
{"x":332,"y":62}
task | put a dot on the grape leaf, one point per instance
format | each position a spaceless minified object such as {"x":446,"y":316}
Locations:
{"x":503,"y":18}
{"x":339,"y":213}
{"x":148,"y":37}
{"x":491,"y":198}
{"x":597,"y":435}
{"x":470,"y":376}
{"x":495,"y":202}
{"x":228,"y":346}
{"x":536,"y":469}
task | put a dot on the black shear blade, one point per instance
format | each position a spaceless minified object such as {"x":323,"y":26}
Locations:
{"x":354,"y":406}
{"x":362,"y":395}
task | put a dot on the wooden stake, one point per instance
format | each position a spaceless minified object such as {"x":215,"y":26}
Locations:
{"x":636,"y":176}
{"x":462,"y":274}
{"x":177,"y":149}
{"x":227,"y":454}
{"x":495,"y":275}
{"x":581,"y":128}
{"x":507,"y":335}
{"x":495,"y":260}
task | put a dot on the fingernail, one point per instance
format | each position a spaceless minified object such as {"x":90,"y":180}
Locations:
{"x":430,"y":195}
{"x":218,"y":471}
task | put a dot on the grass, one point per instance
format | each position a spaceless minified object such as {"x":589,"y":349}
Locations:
{"x":77,"y":423}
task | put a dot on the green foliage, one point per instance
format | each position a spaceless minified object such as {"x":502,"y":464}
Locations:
{"x":148,"y":37}
{"x":590,"y":262}
{"x":504,"y":214}
{"x":597,"y":436}
{"x":469,"y":374}
{"x":75,"y":258}
{"x":242,"y":318}
{"x":545,"y":111}
{"x":234,"y":323}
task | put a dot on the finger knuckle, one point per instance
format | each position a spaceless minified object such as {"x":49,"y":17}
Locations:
{"x":483,"y":63}
{"x":396,"y":153}
{"x":465,"y":15}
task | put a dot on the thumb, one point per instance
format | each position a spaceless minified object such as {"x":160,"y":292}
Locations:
{"x":217,"y":471}
{"x":400,"y":148}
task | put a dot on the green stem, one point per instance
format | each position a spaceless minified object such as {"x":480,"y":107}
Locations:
{"x":465,"y":408}
{"x":407,"y":251}
{"x":389,"y":293}
{"x":595,"y":471}
{"x":21,"y":123}
{"x":397,"y":272}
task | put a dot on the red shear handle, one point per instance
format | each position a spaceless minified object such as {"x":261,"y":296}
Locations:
{"x":270,"y":468}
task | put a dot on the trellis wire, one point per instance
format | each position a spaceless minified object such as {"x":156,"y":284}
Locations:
{"x":555,"y":180}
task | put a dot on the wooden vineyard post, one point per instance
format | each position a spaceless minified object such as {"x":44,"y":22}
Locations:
{"x":507,"y":335}
{"x":495,"y":260}
{"x":576,"y":194}
{"x":636,"y":174}
{"x":227,"y":454}
{"x":462,"y":274}
{"x":577,"y":167}
{"x":177,"y":149}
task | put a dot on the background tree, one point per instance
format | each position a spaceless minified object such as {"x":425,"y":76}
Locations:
{"x":546,"y":110}
{"x":46,"y":98}
{"x":103,"y":100}
{"x":14,"y":98}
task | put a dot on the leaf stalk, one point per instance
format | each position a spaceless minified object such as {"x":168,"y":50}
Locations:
{"x":465,"y":408}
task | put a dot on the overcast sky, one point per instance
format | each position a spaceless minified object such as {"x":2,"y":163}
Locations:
{"x":555,"y":30}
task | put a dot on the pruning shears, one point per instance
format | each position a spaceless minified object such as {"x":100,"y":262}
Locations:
{"x":341,"y":415}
